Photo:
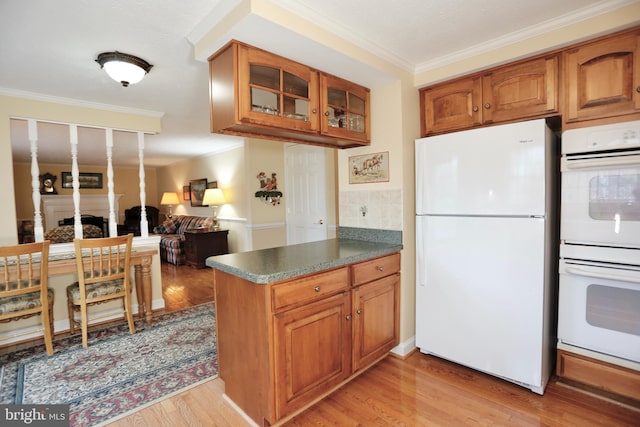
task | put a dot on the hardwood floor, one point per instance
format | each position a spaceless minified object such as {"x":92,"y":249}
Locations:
{"x":184,"y":286}
{"x":421,"y":390}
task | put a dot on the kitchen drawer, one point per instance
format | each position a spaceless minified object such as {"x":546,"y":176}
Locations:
{"x":309,"y":289}
{"x":601,"y":375}
{"x":367,"y":271}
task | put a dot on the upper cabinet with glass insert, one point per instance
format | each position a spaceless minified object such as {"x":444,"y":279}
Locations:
{"x":276,"y":92}
{"x":345,"y":108}
{"x":256,"y":93}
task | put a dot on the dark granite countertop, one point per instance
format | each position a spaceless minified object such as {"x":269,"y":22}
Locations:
{"x":285,"y":262}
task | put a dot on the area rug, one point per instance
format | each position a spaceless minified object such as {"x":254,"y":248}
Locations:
{"x":117,"y":372}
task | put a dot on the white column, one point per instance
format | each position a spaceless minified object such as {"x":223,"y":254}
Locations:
{"x":35,"y":181}
{"x":144,"y":224}
{"x":77,"y":219}
{"x":113,"y":224}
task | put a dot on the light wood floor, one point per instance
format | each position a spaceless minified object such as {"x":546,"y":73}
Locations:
{"x":419,"y":391}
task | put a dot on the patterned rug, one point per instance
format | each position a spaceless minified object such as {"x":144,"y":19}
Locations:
{"x":118,"y":371}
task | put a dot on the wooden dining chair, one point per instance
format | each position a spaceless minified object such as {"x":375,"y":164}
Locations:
{"x":24,"y":290}
{"x":103,"y":275}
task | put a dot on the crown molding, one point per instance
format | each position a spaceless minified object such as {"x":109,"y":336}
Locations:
{"x":77,"y":102}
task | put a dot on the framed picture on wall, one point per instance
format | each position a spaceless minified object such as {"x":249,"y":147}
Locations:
{"x":197,"y":188}
{"x":368,"y":168}
{"x":186,"y":193}
{"x":86,"y":180}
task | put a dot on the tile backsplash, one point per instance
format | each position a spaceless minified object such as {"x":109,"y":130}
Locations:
{"x":371,"y":209}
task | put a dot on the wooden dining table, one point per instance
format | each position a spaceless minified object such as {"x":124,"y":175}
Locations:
{"x":141,"y":260}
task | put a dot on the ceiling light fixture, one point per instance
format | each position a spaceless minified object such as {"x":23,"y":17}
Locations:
{"x":123,"y":68}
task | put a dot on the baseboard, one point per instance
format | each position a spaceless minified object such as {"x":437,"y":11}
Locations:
{"x":405,"y":348}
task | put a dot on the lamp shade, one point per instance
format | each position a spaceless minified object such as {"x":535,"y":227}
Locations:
{"x":213,"y":197}
{"x":169,"y":199}
{"x":123,"y":68}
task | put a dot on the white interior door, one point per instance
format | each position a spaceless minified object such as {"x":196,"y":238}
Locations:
{"x":305,"y":200}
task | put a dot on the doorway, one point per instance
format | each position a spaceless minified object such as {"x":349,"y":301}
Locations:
{"x":306,"y":201}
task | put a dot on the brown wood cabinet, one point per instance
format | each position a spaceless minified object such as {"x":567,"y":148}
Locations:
{"x":599,"y":375}
{"x":284,"y":345}
{"x":312,"y":354}
{"x":522,"y":90}
{"x":256,"y":93}
{"x":345,"y":109}
{"x":201,"y":244}
{"x":602,"y":78}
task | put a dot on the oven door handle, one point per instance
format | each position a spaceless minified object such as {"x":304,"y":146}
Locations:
{"x":633,"y":160}
{"x":590,"y":273}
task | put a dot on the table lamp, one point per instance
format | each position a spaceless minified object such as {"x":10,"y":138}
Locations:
{"x":169,"y":199}
{"x":214,"y":197}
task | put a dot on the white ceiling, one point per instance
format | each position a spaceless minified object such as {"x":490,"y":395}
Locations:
{"x":48,"y":48}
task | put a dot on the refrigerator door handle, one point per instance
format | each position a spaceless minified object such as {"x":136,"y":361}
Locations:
{"x":420,"y":261}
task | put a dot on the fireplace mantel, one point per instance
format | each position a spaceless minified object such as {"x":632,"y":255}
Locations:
{"x":56,"y":207}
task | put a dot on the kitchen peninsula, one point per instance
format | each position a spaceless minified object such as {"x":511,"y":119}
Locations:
{"x":294,"y":323}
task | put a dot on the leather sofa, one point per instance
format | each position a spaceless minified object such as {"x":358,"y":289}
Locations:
{"x":132,"y":217}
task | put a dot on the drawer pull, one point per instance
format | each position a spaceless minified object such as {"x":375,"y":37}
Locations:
{"x":317,"y":289}
{"x":380,"y":268}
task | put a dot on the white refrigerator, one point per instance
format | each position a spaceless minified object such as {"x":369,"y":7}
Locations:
{"x":487,"y":239}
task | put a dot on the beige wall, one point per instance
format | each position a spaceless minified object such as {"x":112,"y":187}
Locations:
{"x":227,"y":168}
{"x":252,"y":224}
{"x":122,"y":181}
{"x":266,"y":222}
{"x":25,"y":108}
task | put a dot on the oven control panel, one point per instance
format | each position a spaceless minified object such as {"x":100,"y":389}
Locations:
{"x":602,"y":138}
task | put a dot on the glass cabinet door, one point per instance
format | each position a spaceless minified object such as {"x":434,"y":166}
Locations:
{"x":345,"y":108}
{"x":277,"y":92}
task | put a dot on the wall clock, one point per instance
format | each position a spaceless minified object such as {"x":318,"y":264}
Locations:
{"x":47,"y":182}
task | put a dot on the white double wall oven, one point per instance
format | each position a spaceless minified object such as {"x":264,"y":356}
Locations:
{"x":599,"y":297}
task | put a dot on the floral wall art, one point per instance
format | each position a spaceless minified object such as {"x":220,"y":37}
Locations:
{"x":268,"y":189}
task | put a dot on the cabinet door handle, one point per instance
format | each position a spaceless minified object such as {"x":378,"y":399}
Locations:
{"x":317,"y":289}
{"x":348,"y":317}
{"x":487,"y":105}
{"x":380,"y":268}
{"x":359,"y":311}
{"x":638,"y":89}
{"x":315,"y":110}
{"x":475,"y":108}
{"x":326,"y":113}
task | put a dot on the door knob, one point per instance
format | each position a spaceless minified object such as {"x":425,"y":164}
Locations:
{"x":321,"y":222}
